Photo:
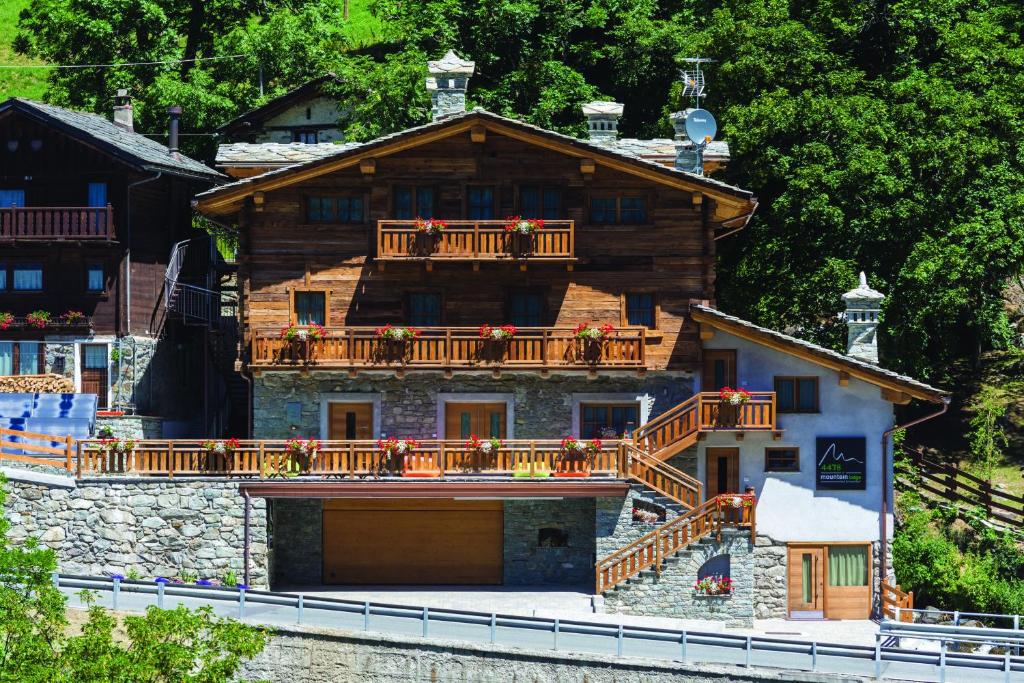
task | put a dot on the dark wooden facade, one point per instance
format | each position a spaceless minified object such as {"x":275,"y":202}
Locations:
{"x":668,"y":253}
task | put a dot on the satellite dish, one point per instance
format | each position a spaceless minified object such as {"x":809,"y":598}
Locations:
{"x":700,"y":125}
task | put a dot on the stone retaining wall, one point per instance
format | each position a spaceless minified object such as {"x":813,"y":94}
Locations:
{"x":154,"y":528}
{"x":770,"y":589}
{"x":531,"y":564}
{"x":297,"y":557}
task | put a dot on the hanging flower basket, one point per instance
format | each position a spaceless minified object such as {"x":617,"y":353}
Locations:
{"x":302,"y":453}
{"x":6,"y":319}
{"x":38,"y":319}
{"x":72,"y":318}
{"x":393,"y":452}
{"x":730,"y":406}
{"x":302,"y":341}
{"x":220,"y":455}
{"x":117,"y":453}
{"x":428,"y":234}
{"x":522,"y":234}
{"x":495,"y":342}
{"x":576,"y":457}
{"x":591,"y":339}
{"x":483,"y":452}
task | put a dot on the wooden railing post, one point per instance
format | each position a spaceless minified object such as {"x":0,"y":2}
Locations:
{"x":476,"y":240}
{"x":533,"y":456}
{"x":78,"y":474}
{"x":259,"y":461}
{"x":67,"y":452}
{"x":170,"y":460}
{"x":351,"y":460}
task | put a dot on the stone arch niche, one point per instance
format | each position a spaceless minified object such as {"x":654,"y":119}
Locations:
{"x":719,"y":565}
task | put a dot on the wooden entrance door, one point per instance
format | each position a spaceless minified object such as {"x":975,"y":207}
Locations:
{"x":723,"y":471}
{"x":719,"y":369}
{"x":807,"y":582}
{"x":373,"y":541}
{"x":485,"y":420}
{"x":95,"y":373}
{"x":350,"y":421}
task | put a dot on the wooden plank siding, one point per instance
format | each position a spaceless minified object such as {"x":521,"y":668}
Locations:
{"x":671,"y":254}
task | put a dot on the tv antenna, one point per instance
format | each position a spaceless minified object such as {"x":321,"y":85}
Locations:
{"x":699,"y":124}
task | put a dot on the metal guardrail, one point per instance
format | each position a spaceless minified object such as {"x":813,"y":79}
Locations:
{"x":565,"y":635}
{"x":956,"y":617}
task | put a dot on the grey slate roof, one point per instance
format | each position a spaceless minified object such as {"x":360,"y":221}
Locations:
{"x":584,"y":145}
{"x":662,"y":150}
{"x":276,"y":153}
{"x":823,"y":352}
{"x":134,"y":148}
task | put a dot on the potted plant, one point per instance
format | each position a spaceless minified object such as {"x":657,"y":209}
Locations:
{"x":117,"y":451}
{"x":72,"y":318}
{"x":495,"y":341}
{"x":716,"y":585}
{"x":299,"y":338}
{"x":428,"y":231}
{"x":393,"y":452}
{"x":576,"y":457}
{"x":730,"y":406}
{"x":6,"y":319}
{"x":38,"y":319}
{"x":522,"y":234}
{"x":643,"y":516}
{"x":395,"y":341}
{"x":302,"y":454}
{"x":485,"y":451}
{"x":591,"y":340}
{"x":219,"y":454}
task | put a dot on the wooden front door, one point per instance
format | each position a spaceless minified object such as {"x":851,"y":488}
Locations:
{"x":719,"y":369}
{"x":94,"y":372}
{"x":485,"y":420}
{"x":723,"y":471}
{"x":350,"y":421}
{"x":373,"y":541}
{"x":806,"y":582}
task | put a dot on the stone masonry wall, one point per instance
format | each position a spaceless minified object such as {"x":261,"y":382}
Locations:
{"x":528,"y":563}
{"x":543,"y":407}
{"x":152,"y":528}
{"x":672,"y":595}
{"x":297,"y":542}
{"x":770,"y":590}
{"x":132,"y":426}
{"x":615,"y":527}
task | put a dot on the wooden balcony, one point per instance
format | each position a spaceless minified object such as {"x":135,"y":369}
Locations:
{"x":475,"y":241}
{"x":453,"y":348}
{"x":49,"y":223}
{"x":350,"y":460}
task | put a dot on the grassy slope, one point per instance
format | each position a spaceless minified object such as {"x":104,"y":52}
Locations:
{"x":16,"y":82}
{"x":363,"y":29}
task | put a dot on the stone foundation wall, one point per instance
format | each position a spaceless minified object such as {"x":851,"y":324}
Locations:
{"x":132,"y":426}
{"x":671,"y":594}
{"x":152,"y":528}
{"x":770,"y":589}
{"x":543,"y":407}
{"x":528,"y":563}
{"x":615,"y":526}
{"x":297,"y":556}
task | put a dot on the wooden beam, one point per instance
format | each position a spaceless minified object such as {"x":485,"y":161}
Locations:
{"x":697,"y":199}
{"x":368,"y":166}
{"x":893,"y":396}
{"x":257,"y":202}
{"x":707,"y":332}
{"x":587,"y":167}
{"x":478,"y":134}
{"x":844,"y":378}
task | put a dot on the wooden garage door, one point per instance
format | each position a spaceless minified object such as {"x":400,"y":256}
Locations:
{"x":412,"y":542}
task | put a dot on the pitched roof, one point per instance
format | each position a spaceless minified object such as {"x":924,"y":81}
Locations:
{"x":266,"y":154}
{"x":458,"y":122}
{"x":132,"y":148}
{"x":251,"y":118}
{"x":817,"y":354}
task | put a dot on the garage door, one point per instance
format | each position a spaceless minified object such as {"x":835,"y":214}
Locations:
{"x":412,"y":542}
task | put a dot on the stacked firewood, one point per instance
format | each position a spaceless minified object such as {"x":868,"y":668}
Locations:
{"x":32,"y":384}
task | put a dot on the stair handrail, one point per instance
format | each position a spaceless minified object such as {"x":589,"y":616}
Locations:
{"x":689,"y":405}
{"x":692,"y":485}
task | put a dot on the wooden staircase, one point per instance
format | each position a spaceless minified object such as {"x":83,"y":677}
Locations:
{"x":645,"y":462}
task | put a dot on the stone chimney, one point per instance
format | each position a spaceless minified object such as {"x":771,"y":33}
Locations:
{"x":687,"y":156}
{"x":447,"y":84}
{"x":123,"y":111}
{"x":862,"y":307}
{"x":173,"y":125}
{"x":602,"y":120}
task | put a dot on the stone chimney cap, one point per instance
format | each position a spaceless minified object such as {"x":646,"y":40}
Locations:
{"x":863,"y":291}
{"x":603,"y":108}
{"x":451,"y":63}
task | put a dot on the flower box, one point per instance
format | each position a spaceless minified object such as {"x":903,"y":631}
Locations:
{"x":540,"y":471}
{"x":713,"y":586}
{"x":576,"y":457}
{"x":302,"y":453}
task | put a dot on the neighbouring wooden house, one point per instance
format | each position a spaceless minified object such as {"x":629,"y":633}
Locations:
{"x":364,"y":319}
{"x":90,"y":211}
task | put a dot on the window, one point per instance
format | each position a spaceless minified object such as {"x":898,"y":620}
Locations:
{"x":306,"y":137}
{"x":310,"y":308}
{"x":3,"y":277}
{"x":847,"y":565}
{"x":406,"y":209}
{"x":540,"y":202}
{"x":526,"y":308}
{"x":608,"y":420}
{"x":334,"y":209}
{"x":94,"y":278}
{"x":97,"y":194}
{"x":9,"y":198}
{"x":28,"y":277}
{"x":782,"y":460}
{"x":796,"y":394}
{"x":480,"y":203}
{"x":618,"y":210}
{"x":640,"y":310}
{"x":424,"y":309}
{"x":21,"y":358}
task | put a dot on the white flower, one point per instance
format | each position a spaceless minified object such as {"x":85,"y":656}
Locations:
{"x":496,"y":333}
{"x":485,"y":447}
{"x":219,"y":447}
{"x":302,"y":335}
{"x":401,"y":447}
{"x":737,"y":502}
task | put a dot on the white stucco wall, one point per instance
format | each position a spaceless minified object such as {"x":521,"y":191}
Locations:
{"x":789,"y":508}
{"x":324,"y":116}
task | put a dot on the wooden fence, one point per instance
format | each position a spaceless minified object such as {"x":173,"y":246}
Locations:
{"x":956,"y":486}
{"x":474,"y":241}
{"x":57,"y":223}
{"x":892,"y":597}
{"x":37,"y":449}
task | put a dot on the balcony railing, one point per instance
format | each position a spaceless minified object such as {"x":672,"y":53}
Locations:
{"x":57,"y":223}
{"x":475,"y":241}
{"x":445,"y":348}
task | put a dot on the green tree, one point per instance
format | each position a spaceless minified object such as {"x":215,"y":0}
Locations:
{"x":165,"y":646}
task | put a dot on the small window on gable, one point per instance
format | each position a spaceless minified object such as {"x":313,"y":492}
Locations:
{"x":94,"y":278}
{"x":413,"y":201}
{"x":424,"y":309}
{"x":602,"y":210}
{"x":618,"y":209}
{"x":552,"y":537}
{"x":480,"y":202}
{"x":782,"y":460}
{"x":306,"y":137}
{"x":632,"y":210}
{"x":540,"y":202}
{"x":796,"y":394}
{"x":526,"y":308}
{"x":310,"y":307}
{"x":640,"y":310}
{"x":334,"y":209}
